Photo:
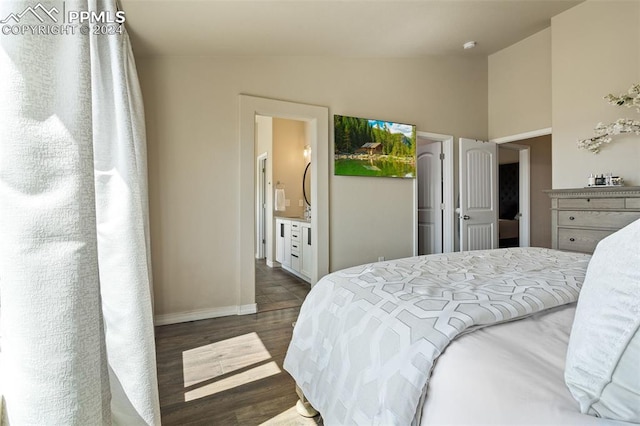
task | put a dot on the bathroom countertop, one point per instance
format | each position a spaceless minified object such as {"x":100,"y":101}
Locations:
{"x":296,"y":218}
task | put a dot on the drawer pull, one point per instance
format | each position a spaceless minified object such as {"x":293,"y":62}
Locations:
{"x":572,"y":239}
{"x":572,"y":218}
{"x":295,"y":255}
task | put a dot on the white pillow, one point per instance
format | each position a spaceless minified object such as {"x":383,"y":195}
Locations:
{"x":603,"y":359}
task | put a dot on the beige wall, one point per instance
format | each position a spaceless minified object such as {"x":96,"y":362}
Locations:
{"x":520,"y":87}
{"x":191,"y":106}
{"x":595,"y":51}
{"x":289,"y":139}
{"x":591,"y":50}
{"x":264,"y":136}
{"x":540,"y":204}
{"x":506,"y":155}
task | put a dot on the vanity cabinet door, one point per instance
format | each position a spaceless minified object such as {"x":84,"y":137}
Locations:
{"x":307,"y":251}
{"x":283,"y":242}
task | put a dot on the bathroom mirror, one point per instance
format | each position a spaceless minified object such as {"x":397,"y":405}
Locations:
{"x":306,"y":184}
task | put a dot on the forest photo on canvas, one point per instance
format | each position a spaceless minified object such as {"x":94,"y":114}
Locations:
{"x":366,"y":147}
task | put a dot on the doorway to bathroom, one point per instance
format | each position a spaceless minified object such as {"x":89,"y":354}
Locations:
{"x":283,"y":163}
{"x":316,"y":124}
{"x":283,"y":178}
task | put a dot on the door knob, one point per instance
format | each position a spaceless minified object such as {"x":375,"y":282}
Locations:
{"x":465,"y":217}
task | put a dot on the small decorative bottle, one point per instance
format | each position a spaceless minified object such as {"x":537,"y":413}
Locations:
{"x":591,"y":181}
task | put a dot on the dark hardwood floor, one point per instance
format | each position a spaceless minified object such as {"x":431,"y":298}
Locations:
{"x":228,"y":371}
{"x":278,"y":289}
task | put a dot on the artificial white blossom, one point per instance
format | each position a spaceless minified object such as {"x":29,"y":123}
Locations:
{"x":604,"y":132}
{"x":631,"y":99}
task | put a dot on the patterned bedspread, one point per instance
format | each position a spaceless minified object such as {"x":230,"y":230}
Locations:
{"x":367,"y":337}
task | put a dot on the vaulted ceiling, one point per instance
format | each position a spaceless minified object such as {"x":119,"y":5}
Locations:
{"x":373,"y":28}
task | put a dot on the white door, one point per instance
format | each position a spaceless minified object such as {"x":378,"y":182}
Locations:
{"x":429,"y":197}
{"x":261,"y":237}
{"x":478,"y":195}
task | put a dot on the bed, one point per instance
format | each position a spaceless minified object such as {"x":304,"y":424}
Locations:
{"x":518,"y":369}
{"x":463,"y":338}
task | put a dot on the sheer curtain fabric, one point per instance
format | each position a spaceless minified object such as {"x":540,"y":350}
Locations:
{"x":75,"y":274}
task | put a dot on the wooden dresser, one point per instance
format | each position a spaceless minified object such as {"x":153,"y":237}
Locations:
{"x":581,"y":217}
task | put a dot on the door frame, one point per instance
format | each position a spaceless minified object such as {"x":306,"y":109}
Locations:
{"x":448,"y":213}
{"x":317,"y":118}
{"x":522,"y":136}
{"x":525,"y":176}
{"x":524,"y":192}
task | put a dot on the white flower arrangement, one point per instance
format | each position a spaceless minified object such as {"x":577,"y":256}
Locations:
{"x":604,"y":132}
{"x":630,"y":99}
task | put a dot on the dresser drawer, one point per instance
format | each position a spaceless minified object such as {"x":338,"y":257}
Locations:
{"x":632,"y":203}
{"x":591,"y":203}
{"x":582,"y":240}
{"x":596,"y":219}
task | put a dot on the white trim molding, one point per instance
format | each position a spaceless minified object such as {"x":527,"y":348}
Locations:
{"x":524,"y":190}
{"x":522,"y":136}
{"x":525,"y":197}
{"x":272,"y":264}
{"x":249,"y":309}
{"x":201,"y":314}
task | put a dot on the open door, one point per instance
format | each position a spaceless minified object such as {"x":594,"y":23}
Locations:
{"x":429,"y":196}
{"x":478,"y":195}
{"x":261,"y":207}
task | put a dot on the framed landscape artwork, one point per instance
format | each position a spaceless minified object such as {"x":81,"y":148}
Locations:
{"x":365,"y":147}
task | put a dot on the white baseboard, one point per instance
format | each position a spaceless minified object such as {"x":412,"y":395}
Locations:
{"x":297,"y":274}
{"x":272,"y":264}
{"x":248,"y":309}
{"x":201,"y":314}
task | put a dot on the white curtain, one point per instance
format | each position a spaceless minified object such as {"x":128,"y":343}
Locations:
{"x":75,"y":274}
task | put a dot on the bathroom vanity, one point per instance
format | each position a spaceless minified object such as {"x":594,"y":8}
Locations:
{"x":294,"y":248}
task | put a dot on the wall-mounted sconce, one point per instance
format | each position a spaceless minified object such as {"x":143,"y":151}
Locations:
{"x":307,"y":153}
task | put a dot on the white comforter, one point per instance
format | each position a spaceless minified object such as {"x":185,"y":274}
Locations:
{"x":367,"y":337}
{"x":510,"y":374}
